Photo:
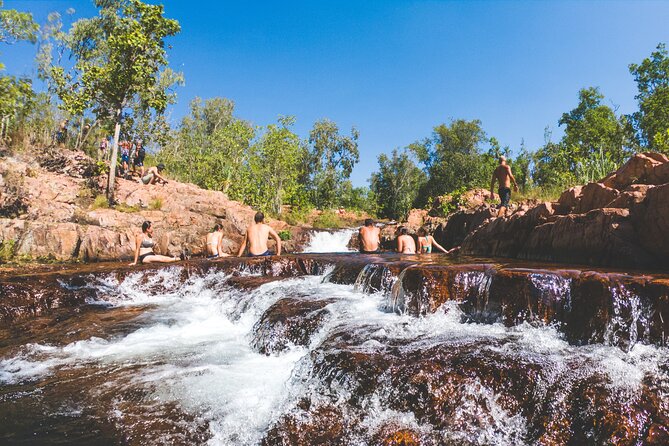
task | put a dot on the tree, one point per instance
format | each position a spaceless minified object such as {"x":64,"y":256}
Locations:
{"x":652,"y":119}
{"x":119,"y":59}
{"x":16,"y":26}
{"x":452,"y":158}
{"x":331,"y":160}
{"x":274,"y":165}
{"x":396,"y":184}
{"x":211,"y":148}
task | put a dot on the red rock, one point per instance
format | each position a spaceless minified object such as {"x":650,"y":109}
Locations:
{"x":595,"y":196}
{"x":570,"y":198}
{"x":634,"y":194}
{"x":638,"y":169}
{"x":662,"y":158}
{"x":651,"y":220}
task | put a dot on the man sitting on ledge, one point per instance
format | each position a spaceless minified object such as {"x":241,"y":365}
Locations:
{"x":256,"y":238}
{"x":369,"y":238}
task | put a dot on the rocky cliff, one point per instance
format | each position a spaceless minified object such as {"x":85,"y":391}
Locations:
{"x":48,"y":212}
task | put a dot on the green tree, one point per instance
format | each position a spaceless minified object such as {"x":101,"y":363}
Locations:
{"x":119,"y":59}
{"x":396,"y":184}
{"x":211,"y":148}
{"x":452,"y":158}
{"x":652,"y":119}
{"x":275,"y":166}
{"x":16,"y":26}
{"x":331,"y":160}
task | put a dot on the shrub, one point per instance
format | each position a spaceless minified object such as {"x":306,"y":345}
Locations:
{"x":156,"y":204}
{"x":7,"y":250}
{"x":285,"y":235}
{"x":100,"y":202}
{"x":122,"y":207}
{"x":328,"y":220}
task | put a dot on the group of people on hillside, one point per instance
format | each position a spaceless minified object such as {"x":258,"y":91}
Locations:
{"x":258,"y":233}
{"x":132,"y":157}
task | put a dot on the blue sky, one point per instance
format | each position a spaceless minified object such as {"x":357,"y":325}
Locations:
{"x":396,"y":69}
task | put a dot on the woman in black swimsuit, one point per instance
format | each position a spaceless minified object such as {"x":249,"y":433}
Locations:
{"x":144,"y":247}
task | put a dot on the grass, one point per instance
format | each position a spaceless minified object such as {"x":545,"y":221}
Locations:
{"x":122,"y":207}
{"x":156,"y":204}
{"x":100,"y":202}
{"x":551,"y":193}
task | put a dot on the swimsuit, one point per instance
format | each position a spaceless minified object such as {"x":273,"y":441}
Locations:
{"x":426,"y":249}
{"x":378,"y":251}
{"x":504,"y":196}
{"x":147,"y":243}
{"x":264,"y":254}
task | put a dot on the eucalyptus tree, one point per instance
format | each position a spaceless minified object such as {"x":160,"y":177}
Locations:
{"x":118,"y":61}
{"x":396,"y":184}
{"x":332,"y":157}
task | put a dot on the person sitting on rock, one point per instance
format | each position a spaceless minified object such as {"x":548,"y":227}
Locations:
{"x":426,"y":241}
{"x":256,"y":238}
{"x":369,"y":236}
{"x":405,"y":243}
{"x":504,"y":177}
{"x":153,"y":175}
{"x":144,"y":247}
{"x":215,"y":243}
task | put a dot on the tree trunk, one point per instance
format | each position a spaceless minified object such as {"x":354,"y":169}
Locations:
{"x":85,"y":136}
{"x":114,"y":156}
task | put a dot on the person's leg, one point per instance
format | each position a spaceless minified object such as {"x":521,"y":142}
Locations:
{"x":159,"y":259}
{"x":502,"y":211}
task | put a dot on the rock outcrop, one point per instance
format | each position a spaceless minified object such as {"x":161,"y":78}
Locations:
{"x":47,"y":212}
{"x":620,"y":221}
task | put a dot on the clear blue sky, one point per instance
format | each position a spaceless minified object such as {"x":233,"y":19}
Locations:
{"x":396,"y":69}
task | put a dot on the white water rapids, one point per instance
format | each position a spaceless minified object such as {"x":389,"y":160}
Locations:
{"x":326,"y":241}
{"x":191,"y":348}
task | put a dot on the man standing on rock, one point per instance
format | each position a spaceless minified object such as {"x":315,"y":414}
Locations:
{"x":369,"y":238}
{"x":504,"y":177}
{"x":256,"y":238}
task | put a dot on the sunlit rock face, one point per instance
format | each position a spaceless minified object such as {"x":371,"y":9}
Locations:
{"x":336,"y":349}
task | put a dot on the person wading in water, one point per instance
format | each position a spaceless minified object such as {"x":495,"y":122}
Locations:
{"x":504,"y":177}
{"x":405,"y":243}
{"x":256,"y":238}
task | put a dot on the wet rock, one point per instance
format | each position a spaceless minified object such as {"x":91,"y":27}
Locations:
{"x":289,"y":321}
{"x":322,"y":425}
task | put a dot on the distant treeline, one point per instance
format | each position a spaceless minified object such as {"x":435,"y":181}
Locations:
{"x":108,"y":75}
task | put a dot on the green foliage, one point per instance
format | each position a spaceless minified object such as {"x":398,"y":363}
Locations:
{"x":100,"y":202}
{"x":285,"y":235}
{"x":328,"y":220}
{"x":7,"y":250}
{"x":297,"y":215}
{"x":452,"y":205}
{"x":330,"y":162}
{"x":16,"y":26}
{"x":122,"y":207}
{"x":156,"y":204}
{"x":396,"y":184}
{"x":652,"y":119}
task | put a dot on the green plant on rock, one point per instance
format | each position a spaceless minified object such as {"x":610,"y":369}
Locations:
{"x":285,"y":235}
{"x":7,"y":250}
{"x":100,"y":202}
{"x":156,"y":204}
{"x":328,"y":220}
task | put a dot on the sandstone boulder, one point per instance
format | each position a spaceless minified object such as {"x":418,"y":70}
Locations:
{"x":651,"y":220}
{"x":461,"y":224}
{"x":570,"y":199}
{"x":638,"y":169}
{"x":634,"y":194}
{"x":595,"y":196}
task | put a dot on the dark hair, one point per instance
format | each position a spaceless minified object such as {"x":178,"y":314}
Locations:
{"x":217,"y":227}
{"x":145,"y":226}
{"x":422,"y":231}
{"x":403,"y":231}
{"x":369,"y":222}
{"x":161,"y":166}
{"x":259,"y":217}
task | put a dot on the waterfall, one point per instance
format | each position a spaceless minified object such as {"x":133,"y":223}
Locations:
{"x":326,"y":241}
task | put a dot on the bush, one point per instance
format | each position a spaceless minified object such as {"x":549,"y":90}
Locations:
{"x":285,"y":235}
{"x":156,"y":204}
{"x":297,"y":216}
{"x":328,"y":220}
{"x":122,"y":207}
{"x":100,"y":202}
{"x":7,"y":250}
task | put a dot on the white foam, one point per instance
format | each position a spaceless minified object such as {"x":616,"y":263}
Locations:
{"x":326,"y":241}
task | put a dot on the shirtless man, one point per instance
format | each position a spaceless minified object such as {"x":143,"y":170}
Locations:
{"x":256,"y":238}
{"x":405,"y":243}
{"x":215,"y":243}
{"x":369,"y":238}
{"x":504,"y":177}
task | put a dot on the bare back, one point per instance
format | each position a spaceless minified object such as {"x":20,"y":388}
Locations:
{"x":257,"y":235}
{"x":369,"y":238}
{"x":406,"y":244}
{"x":503,"y":175}
{"x":213,"y":242}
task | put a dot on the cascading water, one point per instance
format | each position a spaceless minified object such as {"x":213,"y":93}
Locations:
{"x":190,"y":359}
{"x":330,"y":241}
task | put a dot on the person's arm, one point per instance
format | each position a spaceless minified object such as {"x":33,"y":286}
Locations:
{"x":434,"y":242}
{"x":138,"y":243}
{"x":160,"y":177}
{"x":243,"y":245}
{"x":276,"y":237}
{"x":513,"y":179}
{"x":400,"y":244}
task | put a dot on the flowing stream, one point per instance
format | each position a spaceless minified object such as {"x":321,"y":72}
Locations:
{"x":163,"y":359}
{"x":330,"y":241}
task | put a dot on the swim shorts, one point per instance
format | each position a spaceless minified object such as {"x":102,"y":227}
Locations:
{"x":504,"y":196}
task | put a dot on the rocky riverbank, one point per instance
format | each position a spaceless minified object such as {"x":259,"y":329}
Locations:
{"x":48,"y":212}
